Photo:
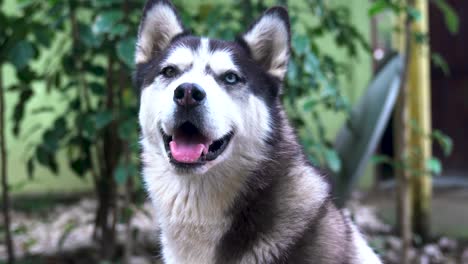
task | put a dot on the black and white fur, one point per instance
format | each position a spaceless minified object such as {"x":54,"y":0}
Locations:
{"x":259,"y":201}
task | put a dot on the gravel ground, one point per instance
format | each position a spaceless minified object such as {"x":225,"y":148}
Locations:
{"x":64,"y":235}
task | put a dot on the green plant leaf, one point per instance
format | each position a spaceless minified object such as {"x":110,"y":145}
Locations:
{"x":440,"y":62}
{"x":103,"y":119}
{"x":450,"y":16}
{"x":106,"y":20}
{"x":119,"y":30}
{"x":310,"y":104}
{"x":106,"y":3}
{"x":381,"y":159}
{"x":21,"y":54}
{"x":125,"y":51}
{"x":80,"y":166}
{"x":30,"y":168}
{"x":121,"y":174}
{"x":413,"y":13}
{"x":18,"y":113}
{"x":332,"y":159}
{"x":88,"y":37}
{"x":301,"y":44}
{"x":126,"y":129}
{"x":97,"y":88}
{"x":434,"y":166}
{"x":67,"y":230}
{"x":444,"y":141}
{"x":378,"y":7}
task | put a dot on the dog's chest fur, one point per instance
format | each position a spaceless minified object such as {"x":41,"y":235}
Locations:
{"x":191,"y":243}
{"x":191,"y":212}
{"x":194,"y":216}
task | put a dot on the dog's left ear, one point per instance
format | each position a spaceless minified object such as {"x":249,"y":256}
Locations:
{"x":159,"y":25}
{"x":269,"y":41}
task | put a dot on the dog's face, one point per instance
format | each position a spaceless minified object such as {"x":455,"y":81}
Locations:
{"x":207,"y":102}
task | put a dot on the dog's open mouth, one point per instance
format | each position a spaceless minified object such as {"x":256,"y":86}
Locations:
{"x":188,"y":146}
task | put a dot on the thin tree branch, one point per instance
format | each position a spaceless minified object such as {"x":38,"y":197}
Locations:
{"x":4,"y":166}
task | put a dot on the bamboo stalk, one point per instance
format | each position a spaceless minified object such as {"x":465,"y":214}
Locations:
{"x":420,"y":113}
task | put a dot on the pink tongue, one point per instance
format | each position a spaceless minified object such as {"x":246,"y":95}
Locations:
{"x":188,"y":150}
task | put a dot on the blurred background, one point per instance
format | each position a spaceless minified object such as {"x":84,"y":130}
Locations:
{"x":377,"y":90}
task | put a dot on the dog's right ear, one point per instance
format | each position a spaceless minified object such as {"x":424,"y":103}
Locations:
{"x":269,"y":41}
{"x":158,"y":26}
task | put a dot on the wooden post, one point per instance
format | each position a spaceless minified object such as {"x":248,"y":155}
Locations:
{"x":420,"y":115}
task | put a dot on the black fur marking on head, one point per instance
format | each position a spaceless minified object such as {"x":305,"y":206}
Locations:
{"x":146,"y":72}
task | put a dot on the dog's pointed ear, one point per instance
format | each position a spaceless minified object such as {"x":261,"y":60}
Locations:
{"x":269,"y":41}
{"x":159,"y":25}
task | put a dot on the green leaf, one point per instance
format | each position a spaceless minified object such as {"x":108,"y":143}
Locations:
{"x":106,"y":20}
{"x":310,"y":104}
{"x":67,"y":230}
{"x":105,"y":3}
{"x":30,"y":168}
{"x":97,"y":88}
{"x":50,"y":141}
{"x":87,"y":124}
{"x":45,"y":158}
{"x":450,"y":16}
{"x":332,"y":159}
{"x":413,"y":13}
{"x":87,"y":36}
{"x":121,"y":174}
{"x":103,"y":119}
{"x":43,"y":35}
{"x":440,"y":62}
{"x":18,"y":114}
{"x":21,"y":54}
{"x":96,"y":70}
{"x":80,"y":166}
{"x":119,"y":30}
{"x":126,"y":129}
{"x":311,"y":63}
{"x":301,"y":44}
{"x":125,"y":51}
{"x":377,"y":7}
{"x":434,"y":166}
{"x":123,"y":171}
{"x":444,"y":141}
{"x":381,"y":159}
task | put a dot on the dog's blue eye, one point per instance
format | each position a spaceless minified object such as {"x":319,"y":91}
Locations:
{"x":231,"y":78}
{"x":169,"y":71}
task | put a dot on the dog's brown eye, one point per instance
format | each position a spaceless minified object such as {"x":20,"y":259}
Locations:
{"x":169,"y":71}
{"x":231,"y":78}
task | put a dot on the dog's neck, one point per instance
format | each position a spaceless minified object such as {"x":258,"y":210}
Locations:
{"x":196,"y":212}
{"x":189,"y":199}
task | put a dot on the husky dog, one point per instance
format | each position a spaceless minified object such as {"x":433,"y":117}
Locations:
{"x":224,"y":170}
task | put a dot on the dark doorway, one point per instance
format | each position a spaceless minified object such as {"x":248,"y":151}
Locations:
{"x":450,"y":92}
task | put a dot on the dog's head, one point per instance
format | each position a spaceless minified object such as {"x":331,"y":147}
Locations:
{"x":206,"y":102}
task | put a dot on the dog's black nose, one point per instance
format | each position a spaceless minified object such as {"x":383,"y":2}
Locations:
{"x":189,"y":95}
